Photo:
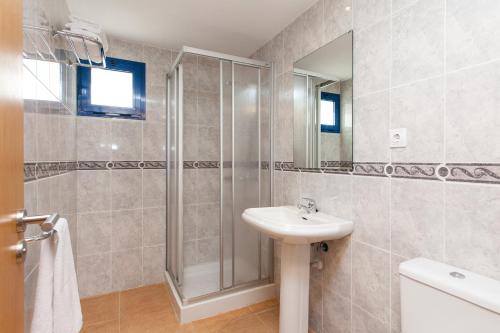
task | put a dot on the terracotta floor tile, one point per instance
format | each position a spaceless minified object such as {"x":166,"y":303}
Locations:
{"x":102,"y":327}
{"x":151,"y":322}
{"x":271,"y":319}
{"x":149,"y":310}
{"x":263,"y":306}
{"x":216,"y":323}
{"x":100,"y":308}
{"x":144,"y":300}
{"x":246,"y":324}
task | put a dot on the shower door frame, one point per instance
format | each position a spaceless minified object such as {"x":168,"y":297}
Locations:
{"x":177,"y":75}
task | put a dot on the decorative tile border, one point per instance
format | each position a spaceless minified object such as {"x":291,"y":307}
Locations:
{"x":337,"y":164}
{"x":155,"y":164}
{"x":42,"y":170}
{"x":126,"y":165}
{"x":29,"y":171}
{"x":93,"y":165}
{"x":373,"y":169}
{"x":488,"y":173}
{"x":413,"y":170}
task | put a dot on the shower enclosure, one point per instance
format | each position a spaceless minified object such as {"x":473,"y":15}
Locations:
{"x":219,"y":162}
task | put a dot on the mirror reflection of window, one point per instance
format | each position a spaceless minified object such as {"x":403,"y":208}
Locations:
{"x":327,"y":117}
{"x":330,"y":112}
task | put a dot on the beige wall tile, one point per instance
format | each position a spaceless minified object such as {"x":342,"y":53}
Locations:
{"x":126,"y":229}
{"x":127,"y":269}
{"x":417,"y":218}
{"x":371,"y":280}
{"x":363,"y":322}
{"x":423,"y":117}
{"x":371,"y":121}
{"x":94,"y":191}
{"x":94,"y":274}
{"x":418,"y":42}
{"x":337,"y":313}
{"x":126,"y":189}
{"x":371,"y":206}
{"x":469,"y":30}
{"x":472,"y":227}
{"x":337,"y":275}
{"x":372,"y":50}
{"x":154,"y":226}
{"x":154,"y":188}
{"x":94,"y":233}
{"x":369,"y":12}
{"x":337,"y":18}
{"x":472,"y":92}
{"x":126,"y":140}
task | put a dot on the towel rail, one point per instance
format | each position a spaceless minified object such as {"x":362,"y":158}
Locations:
{"x":48,"y":37}
{"x":46,"y":222}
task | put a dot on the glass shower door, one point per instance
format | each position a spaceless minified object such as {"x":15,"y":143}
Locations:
{"x":246,"y":170}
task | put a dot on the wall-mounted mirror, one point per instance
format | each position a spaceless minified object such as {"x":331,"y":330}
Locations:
{"x":322,"y":99}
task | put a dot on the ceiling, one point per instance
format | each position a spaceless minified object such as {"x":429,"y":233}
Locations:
{"x":237,"y":27}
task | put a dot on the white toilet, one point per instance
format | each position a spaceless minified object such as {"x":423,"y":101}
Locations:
{"x":438,"y":298}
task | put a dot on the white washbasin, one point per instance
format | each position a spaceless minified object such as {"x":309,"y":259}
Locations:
{"x":293,"y":226}
{"x":296,"y":230}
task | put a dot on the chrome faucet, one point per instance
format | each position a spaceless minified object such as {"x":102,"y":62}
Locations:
{"x":308,"y":205}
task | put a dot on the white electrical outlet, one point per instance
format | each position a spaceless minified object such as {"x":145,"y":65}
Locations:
{"x":399,"y":138}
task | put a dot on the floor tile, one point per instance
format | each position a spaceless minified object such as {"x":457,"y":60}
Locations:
{"x":102,"y":327}
{"x":271,"y":319}
{"x":263,"y":306}
{"x":216,"y":323}
{"x":149,"y":310}
{"x":100,"y":308}
{"x":246,"y":324}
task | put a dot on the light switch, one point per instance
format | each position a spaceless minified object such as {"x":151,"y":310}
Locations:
{"x":398,"y":138}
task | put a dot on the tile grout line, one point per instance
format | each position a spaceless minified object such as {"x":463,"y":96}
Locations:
{"x":391,"y":95}
{"x":445,"y":116}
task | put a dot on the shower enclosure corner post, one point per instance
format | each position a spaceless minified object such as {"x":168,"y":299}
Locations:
{"x":180,"y":168}
{"x":221,"y":174}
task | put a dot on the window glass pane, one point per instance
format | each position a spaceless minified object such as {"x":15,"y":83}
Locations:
{"x":111,"y":88}
{"x":41,"y":80}
{"x":327,"y":112}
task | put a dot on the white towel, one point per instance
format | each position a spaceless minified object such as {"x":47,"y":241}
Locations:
{"x":83,"y":24}
{"x":57,"y":303}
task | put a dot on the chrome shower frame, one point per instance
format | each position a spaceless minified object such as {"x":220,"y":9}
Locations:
{"x":176,"y":73}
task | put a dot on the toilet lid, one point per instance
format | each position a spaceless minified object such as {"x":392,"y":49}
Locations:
{"x":469,"y":286}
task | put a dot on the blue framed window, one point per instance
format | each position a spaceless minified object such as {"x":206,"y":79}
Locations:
{"x":119,"y":90}
{"x":330,"y":112}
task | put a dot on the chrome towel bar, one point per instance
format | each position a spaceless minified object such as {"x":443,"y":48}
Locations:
{"x":47,"y":223}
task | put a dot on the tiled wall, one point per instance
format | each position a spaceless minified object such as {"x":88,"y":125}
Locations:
{"x":432,"y":66}
{"x":121,"y":187}
{"x":49,"y":155}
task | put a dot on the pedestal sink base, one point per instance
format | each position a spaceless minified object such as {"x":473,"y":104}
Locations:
{"x":294,"y":290}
